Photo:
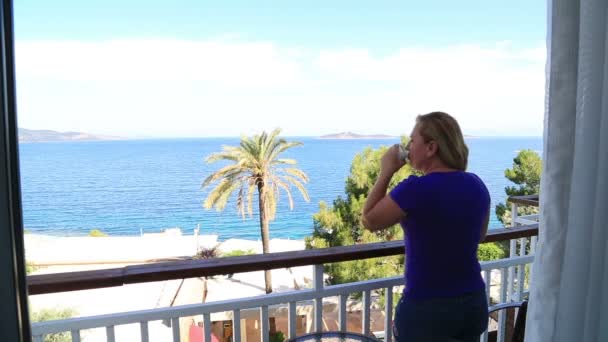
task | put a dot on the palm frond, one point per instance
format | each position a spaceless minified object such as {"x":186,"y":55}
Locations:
{"x":240,"y":205}
{"x":228,"y":171}
{"x":275,"y":133}
{"x":228,"y":153}
{"x":221,"y":202}
{"x":285,"y":187}
{"x":297,"y":173}
{"x":250,"y":193}
{"x":299,"y":186}
{"x":251,"y":155}
{"x":272,"y":146}
{"x":284,"y":161}
{"x":215,"y":194}
{"x":270,"y":202}
{"x":282,"y":146}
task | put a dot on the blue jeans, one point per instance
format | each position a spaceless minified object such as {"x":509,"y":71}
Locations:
{"x":461,"y":318}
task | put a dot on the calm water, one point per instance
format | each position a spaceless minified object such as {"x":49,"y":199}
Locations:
{"x":126,"y":187}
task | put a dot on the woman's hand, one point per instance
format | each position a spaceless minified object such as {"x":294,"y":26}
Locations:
{"x":380,"y":210}
{"x":390,"y":162}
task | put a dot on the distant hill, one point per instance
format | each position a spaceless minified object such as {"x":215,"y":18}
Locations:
{"x":351,"y":135}
{"x":31,"y":135}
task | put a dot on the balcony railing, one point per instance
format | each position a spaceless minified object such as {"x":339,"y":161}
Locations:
{"x":524,"y":201}
{"x":509,"y":273}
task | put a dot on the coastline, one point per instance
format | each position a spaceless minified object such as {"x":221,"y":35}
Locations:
{"x":49,"y":250}
{"x":54,"y":254}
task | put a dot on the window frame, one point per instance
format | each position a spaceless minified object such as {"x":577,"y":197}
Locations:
{"x":14,"y":316}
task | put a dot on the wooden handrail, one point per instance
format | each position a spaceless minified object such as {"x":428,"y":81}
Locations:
{"x":531,"y":200}
{"x":85,"y":280}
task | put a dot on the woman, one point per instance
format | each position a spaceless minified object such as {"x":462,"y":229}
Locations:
{"x":444,"y":214}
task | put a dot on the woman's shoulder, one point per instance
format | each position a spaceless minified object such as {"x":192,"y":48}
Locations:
{"x":441,"y":177}
{"x":452,"y":177}
{"x":475,"y":177}
{"x":478,"y":183}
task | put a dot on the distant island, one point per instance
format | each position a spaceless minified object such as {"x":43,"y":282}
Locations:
{"x":351,"y":135}
{"x":31,"y":135}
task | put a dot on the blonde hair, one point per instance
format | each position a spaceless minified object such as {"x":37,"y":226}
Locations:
{"x":445,"y":131}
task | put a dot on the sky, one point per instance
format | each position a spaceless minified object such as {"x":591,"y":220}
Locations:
{"x":147,"y":69}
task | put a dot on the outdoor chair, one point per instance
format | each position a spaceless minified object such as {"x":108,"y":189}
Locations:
{"x":518,"y":330}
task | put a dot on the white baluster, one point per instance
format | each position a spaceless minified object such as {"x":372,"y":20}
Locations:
{"x":143,"y":327}
{"x":264,"y":323}
{"x":318,"y":287}
{"x":514,"y":214}
{"x":365,"y":319}
{"x":292,"y":312}
{"x":342,"y":312}
{"x":175,"y":328}
{"x":502,"y":319}
{"x":110,"y":334}
{"x":511,"y":279}
{"x":487,"y":277}
{"x":236,"y":325}
{"x":521,"y":269}
{"x":208,"y":327}
{"x":388,"y":314}
{"x":75,"y":335}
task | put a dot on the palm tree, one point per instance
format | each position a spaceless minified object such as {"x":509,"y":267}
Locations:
{"x":256,"y":165}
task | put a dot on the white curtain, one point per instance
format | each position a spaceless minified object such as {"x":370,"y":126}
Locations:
{"x":569,"y":287}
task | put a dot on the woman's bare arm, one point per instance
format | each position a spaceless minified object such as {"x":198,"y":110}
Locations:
{"x":380,"y":211}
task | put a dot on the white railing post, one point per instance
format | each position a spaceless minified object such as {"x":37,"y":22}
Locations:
{"x":318,"y":307}
{"x":388,"y":314}
{"x":511,"y":277}
{"x":264,"y":331}
{"x":365,"y":316}
{"x":175,"y":328}
{"x":110,"y":336}
{"x":236,"y":325}
{"x":143,"y":327}
{"x":514,"y":214}
{"x":487,"y":276}
{"x":512,"y":253}
{"x":521,"y":269}
{"x":207,"y":328}
{"x":75,"y":335}
{"x":291,"y":323}
{"x":502,"y":319}
{"x":342,"y":312}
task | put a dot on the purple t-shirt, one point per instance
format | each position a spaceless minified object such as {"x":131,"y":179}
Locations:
{"x":445,"y":215}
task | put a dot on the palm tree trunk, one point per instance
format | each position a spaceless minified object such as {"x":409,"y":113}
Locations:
{"x":265,"y":233}
{"x":205,"y":290}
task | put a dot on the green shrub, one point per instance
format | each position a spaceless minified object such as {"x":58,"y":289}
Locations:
{"x":238,"y":252}
{"x":208,"y":253}
{"x":490,"y":251}
{"x":50,"y":315}
{"x":97,"y":233}
{"x":29,"y":268}
{"x":277,"y":337}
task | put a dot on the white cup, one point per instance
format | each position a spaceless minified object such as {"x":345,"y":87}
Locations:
{"x":403,"y":153}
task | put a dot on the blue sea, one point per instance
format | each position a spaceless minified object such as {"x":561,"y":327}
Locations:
{"x":132,"y":186}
